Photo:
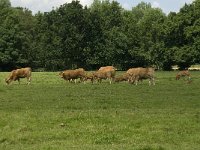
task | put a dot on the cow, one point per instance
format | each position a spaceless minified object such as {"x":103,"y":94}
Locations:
{"x":123,"y":77}
{"x":89,"y":76}
{"x":19,"y":73}
{"x":107,"y":72}
{"x":138,"y":74}
{"x":72,"y":75}
{"x":183,"y":73}
{"x":102,"y":74}
{"x":81,"y":73}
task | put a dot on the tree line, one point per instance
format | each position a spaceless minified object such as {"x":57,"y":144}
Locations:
{"x":103,"y":33}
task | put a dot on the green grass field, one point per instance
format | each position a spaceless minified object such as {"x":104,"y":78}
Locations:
{"x":51,"y":114}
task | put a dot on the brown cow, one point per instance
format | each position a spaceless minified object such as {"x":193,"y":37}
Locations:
{"x":107,"y":72}
{"x":123,"y":77}
{"x":104,"y":74}
{"x":89,"y":76}
{"x":183,"y":73}
{"x":19,"y":73}
{"x":81,"y":73}
{"x":138,"y":74}
{"x":73,"y":74}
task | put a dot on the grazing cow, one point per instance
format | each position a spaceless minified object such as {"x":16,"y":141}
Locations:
{"x":19,"y":73}
{"x":81,"y":73}
{"x":104,"y":74}
{"x":89,"y":76}
{"x":183,"y":73}
{"x":73,"y":74}
{"x":138,"y":74}
{"x":107,"y":72}
{"x":123,"y":77}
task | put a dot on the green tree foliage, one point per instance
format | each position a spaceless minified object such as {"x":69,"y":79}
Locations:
{"x":72,"y":24}
{"x":5,"y":4}
{"x":144,"y":29}
{"x":108,"y":43}
{"x":182,"y":35}
{"x":104,"y":33}
{"x":16,"y":37}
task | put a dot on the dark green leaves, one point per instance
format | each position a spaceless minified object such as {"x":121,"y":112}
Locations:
{"x":72,"y":36}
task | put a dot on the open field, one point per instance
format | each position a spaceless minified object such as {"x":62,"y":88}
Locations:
{"x":53,"y":114}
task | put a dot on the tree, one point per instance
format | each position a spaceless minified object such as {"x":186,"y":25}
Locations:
{"x":5,"y":4}
{"x":110,"y":42}
{"x":147,"y":34}
{"x":182,"y":34}
{"x":16,"y":38}
{"x":72,"y":30}
{"x":72,"y":36}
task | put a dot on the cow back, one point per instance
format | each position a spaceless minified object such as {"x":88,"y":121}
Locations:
{"x":22,"y":73}
{"x":141,"y":72}
{"x":109,"y":70}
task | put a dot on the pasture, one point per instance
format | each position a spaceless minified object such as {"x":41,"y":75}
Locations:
{"x":51,"y":113}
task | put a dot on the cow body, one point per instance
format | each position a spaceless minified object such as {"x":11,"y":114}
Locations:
{"x":19,"y":73}
{"x":89,"y":76}
{"x":123,"y":77}
{"x":183,"y":73}
{"x":138,"y":74}
{"x":73,"y":74}
{"x":107,"y":72}
{"x":102,"y":74}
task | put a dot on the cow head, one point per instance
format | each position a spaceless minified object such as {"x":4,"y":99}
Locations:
{"x":177,"y":77}
{"x":61,"y":74}
{"x":7,"y":80}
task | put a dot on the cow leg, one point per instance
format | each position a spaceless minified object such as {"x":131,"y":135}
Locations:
{"x":189,"y":78}
{"x":136,"y":79}
{"x":130,"y":80}
{"x":18,"y":80}
{"x":29,"y":80}
{"x":73,"y":80}
{"x":136,"y":82}
{"x":151,"y":81}
{"x":82,"y":79}
{"x":110,"y":80}
{"x":154,"y":82}
{"x":92,"y":80}
{"x":8,"y":81}
{"x":113,"y":79}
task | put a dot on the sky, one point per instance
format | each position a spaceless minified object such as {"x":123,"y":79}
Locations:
{"x":47,"y":5}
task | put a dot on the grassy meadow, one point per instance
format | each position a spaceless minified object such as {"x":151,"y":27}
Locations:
{"x":52,"y":114}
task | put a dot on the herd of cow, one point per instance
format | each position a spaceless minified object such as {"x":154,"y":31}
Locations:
{"x":132,"y":75}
